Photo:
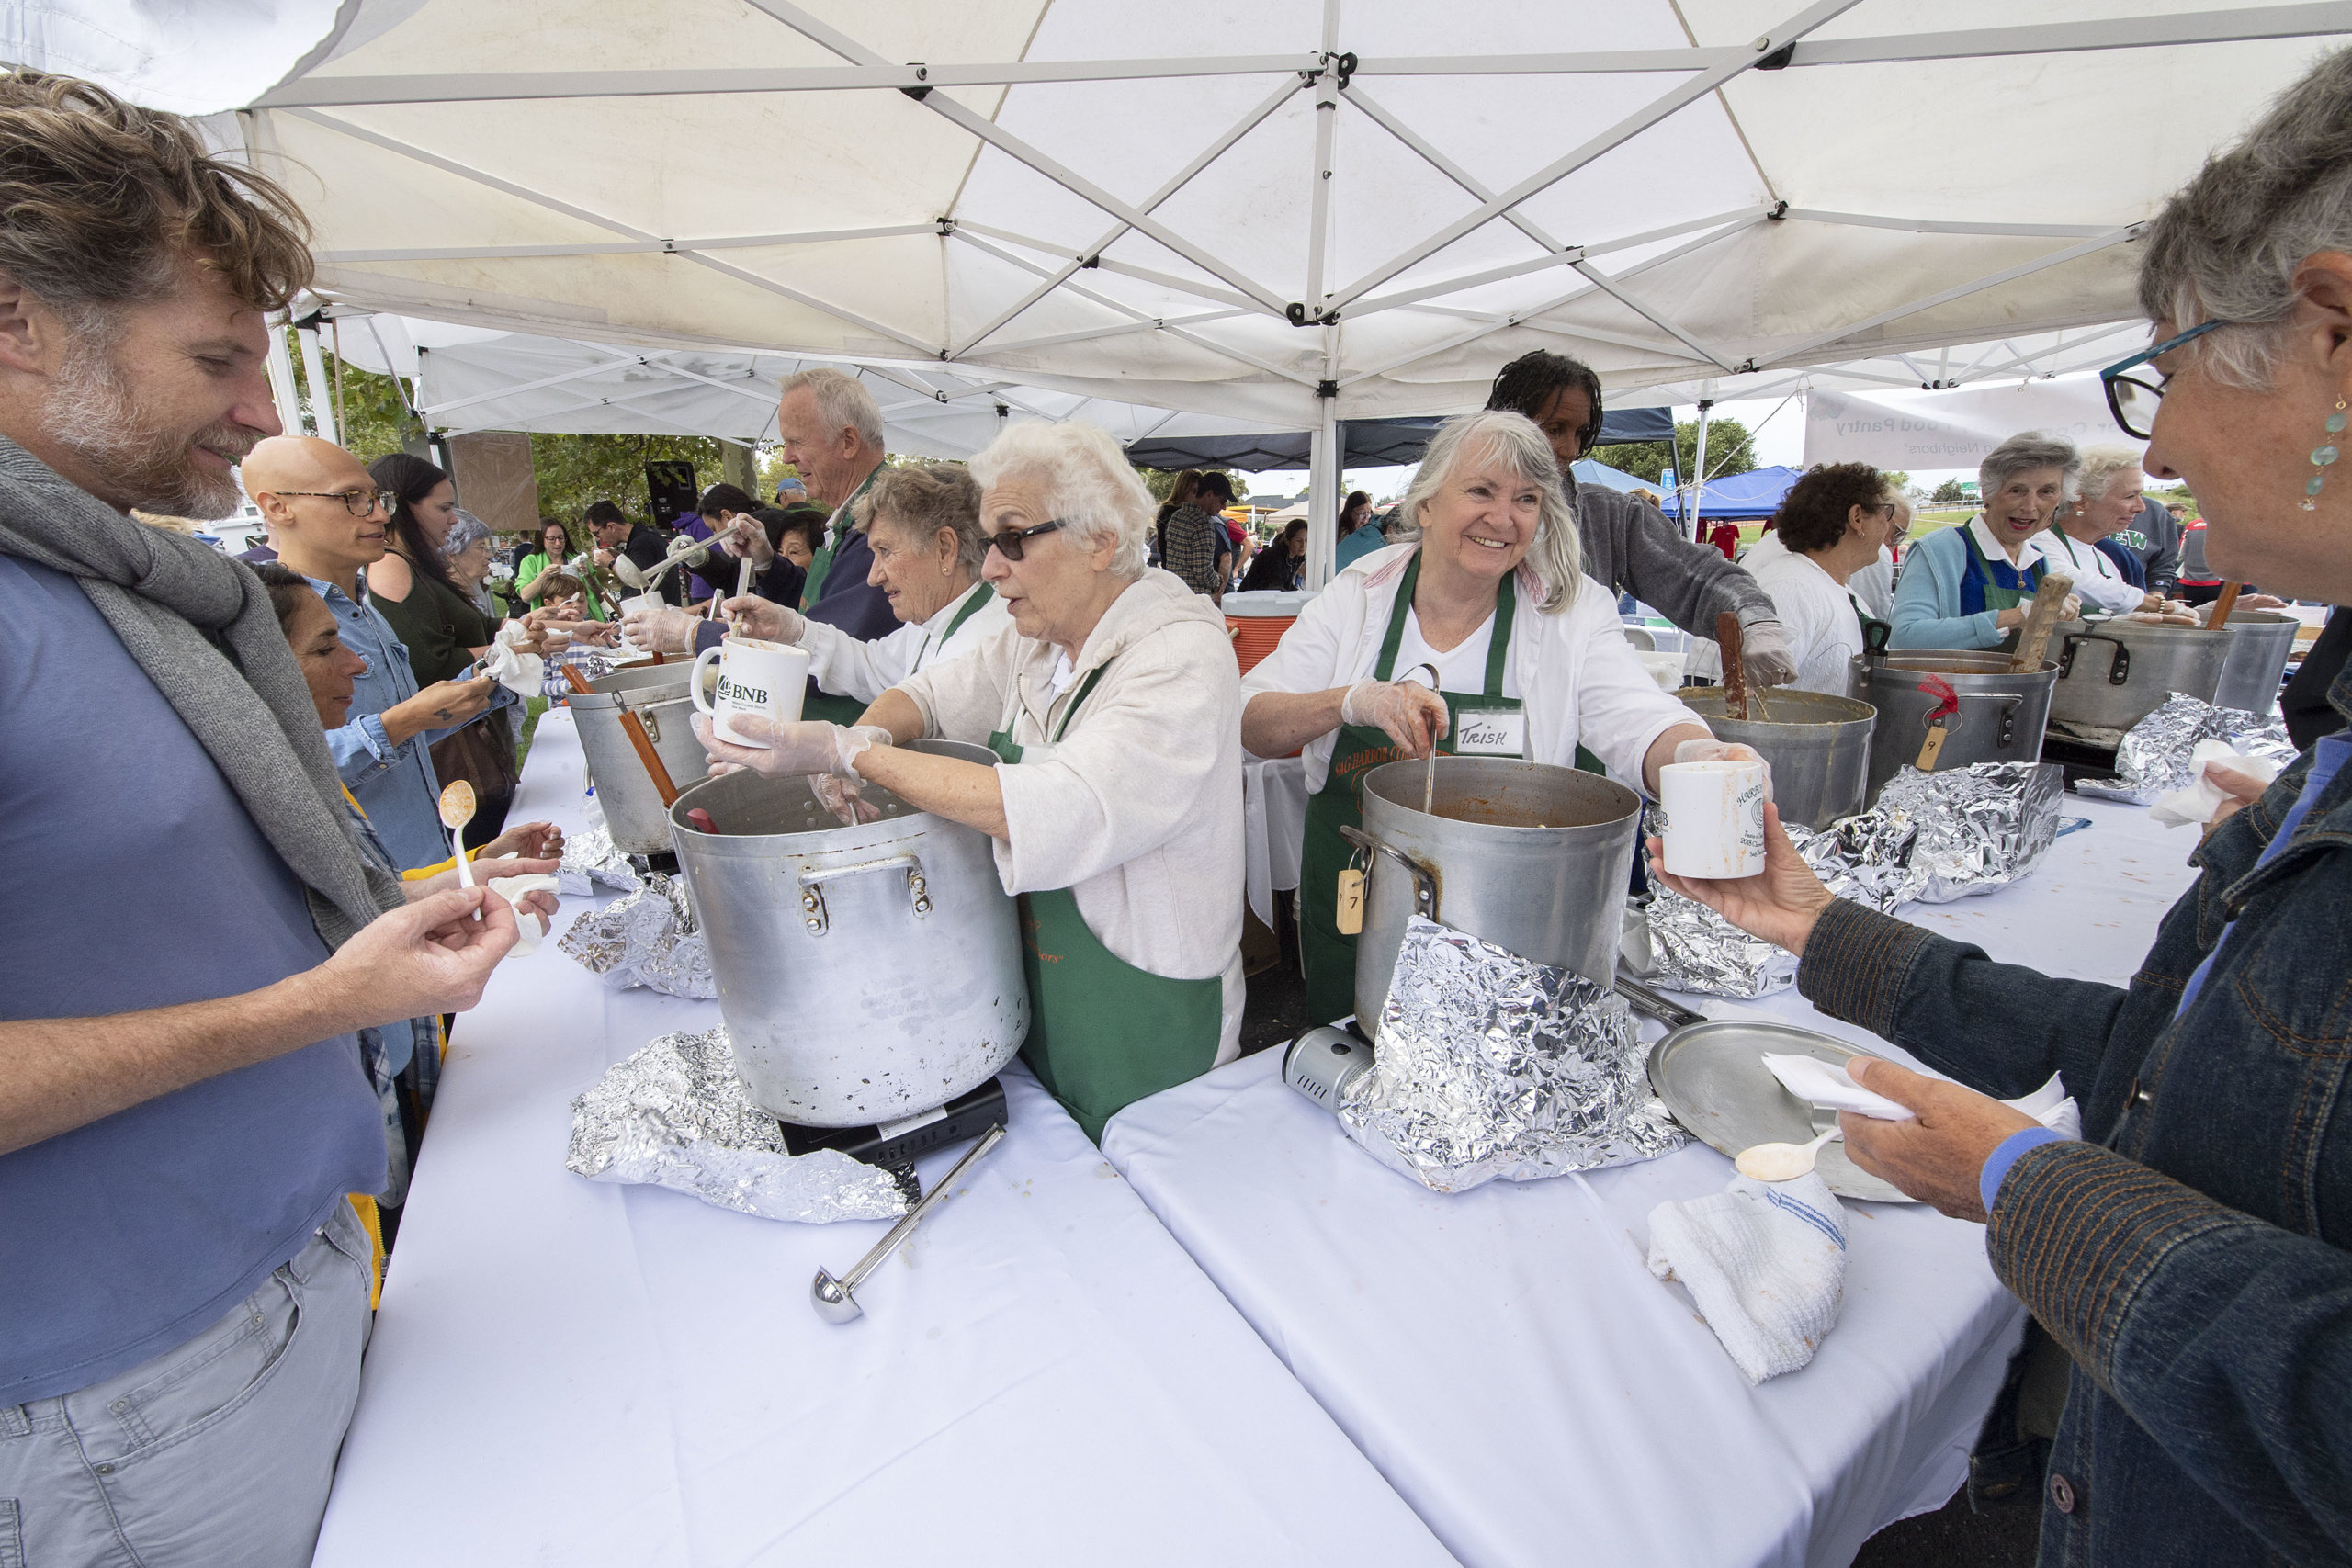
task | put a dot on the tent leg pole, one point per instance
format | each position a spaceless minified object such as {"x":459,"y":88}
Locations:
{"x":282,"y":391}
{"x":1699,"y":468}
{"x":1324,"y":477}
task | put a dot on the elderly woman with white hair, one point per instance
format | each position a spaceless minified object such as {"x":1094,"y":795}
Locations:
{"x":2188,"y":1255}
{"x":2109,"y":498}
{"x":1528,"y":657}
{"x":1111,"y":698}
{"x":1968,"y":587}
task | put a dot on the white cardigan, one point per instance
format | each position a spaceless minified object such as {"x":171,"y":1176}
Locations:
{"x":1138,"y":810}
{"x":849,"y":668}
{"x":1578,"y":678}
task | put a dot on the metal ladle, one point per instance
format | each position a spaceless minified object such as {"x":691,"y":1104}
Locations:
{"x":835,"y":1299}
{"x":1428,"y":777}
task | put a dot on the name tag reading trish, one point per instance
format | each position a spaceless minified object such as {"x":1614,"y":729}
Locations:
{"x":1490,"y":732}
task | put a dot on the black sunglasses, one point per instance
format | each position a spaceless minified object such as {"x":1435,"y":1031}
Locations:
{"x":1014,"y":543}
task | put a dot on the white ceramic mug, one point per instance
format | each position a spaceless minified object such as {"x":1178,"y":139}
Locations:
{"x":766,"y":678}
{"x":1714,"y":817}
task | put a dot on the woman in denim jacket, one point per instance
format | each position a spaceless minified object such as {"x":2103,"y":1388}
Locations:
{"x":2189,"y":1254}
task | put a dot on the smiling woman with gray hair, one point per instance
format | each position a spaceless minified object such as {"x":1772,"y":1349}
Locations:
{"x":1523,"y":652}
{"x":2184,"y":1260}
{"x":1967,"y":587}
{"x":1111,"y":698}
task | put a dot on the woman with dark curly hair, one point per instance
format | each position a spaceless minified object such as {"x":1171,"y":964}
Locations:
{"x":1830,"y":525}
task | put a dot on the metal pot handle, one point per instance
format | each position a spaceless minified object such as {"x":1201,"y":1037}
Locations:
{"x":650,"y":714}
{"x":1424,"y":880}
{"x":2117,"y":673}
{"x":812,"y":896}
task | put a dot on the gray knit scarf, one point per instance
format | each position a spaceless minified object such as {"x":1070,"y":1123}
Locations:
{"x":242,"y":695}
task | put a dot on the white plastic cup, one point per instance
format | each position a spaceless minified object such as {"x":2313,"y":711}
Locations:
{"x":765,"y":679}
{"x":1714,"y":818}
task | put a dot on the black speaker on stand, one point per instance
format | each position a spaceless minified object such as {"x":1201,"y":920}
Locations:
{"x":670,"y":483}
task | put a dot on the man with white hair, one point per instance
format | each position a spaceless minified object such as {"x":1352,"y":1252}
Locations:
{"x":183,"y":1104}
{"x":831,"y":430}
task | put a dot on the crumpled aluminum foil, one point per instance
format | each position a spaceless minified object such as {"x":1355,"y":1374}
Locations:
{"x":1931,"y":838}
{"x":2153,"y":759}
{"x":1491,"y":1066}
{"x":590,"y":859}
{"x":675,"y":1114}
{"x":1980,"y":827}
{"x":648,"y":938}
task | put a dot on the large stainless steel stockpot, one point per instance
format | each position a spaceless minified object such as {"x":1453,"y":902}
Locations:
{"x":2113,"y":673}
{"x":657,"y":694}
{"x":866,"y":973}
{"x":2000,"y":718}
{"x":1818,"y":745}
{"x":2261,"y":641}
{"x":1531,"y":857}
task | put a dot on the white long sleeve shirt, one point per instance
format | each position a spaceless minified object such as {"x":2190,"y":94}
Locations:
{"x":1825,"y":634}
{"x":1573,"y":671}
{"x":2095,"y":578}
{"x":1137,"y":809}
{"x":865,"y":670}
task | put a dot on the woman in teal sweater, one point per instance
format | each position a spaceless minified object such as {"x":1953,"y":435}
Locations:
{"x":1967,"y":587}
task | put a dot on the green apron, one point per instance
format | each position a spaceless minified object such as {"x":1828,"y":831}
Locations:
{"x":972,"y":606}
{"x":1331,"y":958}
{"x":1103,"y":1033}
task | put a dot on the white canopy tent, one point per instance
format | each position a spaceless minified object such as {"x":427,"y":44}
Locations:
{"x":462,"y":378}
{"x":1283,"y":210}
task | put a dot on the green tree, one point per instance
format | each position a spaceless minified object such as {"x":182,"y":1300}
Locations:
{"x":1948,"y":490}
{"x":1730,"y":450}
{"x":1897,"y":478}
{"x":1162,"y":482}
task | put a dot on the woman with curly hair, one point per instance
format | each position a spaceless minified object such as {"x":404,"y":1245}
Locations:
{"x":1830,"y":525}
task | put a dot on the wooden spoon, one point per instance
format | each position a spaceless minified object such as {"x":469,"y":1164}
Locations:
{"x":1735,"y":673}
{"x":2040,"y":620}
{"x":2223,"y":605}
{"x":457,"y":810}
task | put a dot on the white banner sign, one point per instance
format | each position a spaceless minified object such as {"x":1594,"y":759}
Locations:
{"x":1925,"y":430}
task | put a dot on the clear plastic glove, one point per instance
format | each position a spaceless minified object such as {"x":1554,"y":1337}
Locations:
{"x":764,"y":618}
{"x":1723,"y":751}
{"x":1764,"y":650}
{"x":1410,"y":714}
{"x":2071,"y":609}
{"x":662,"y":629}
{"x":843,"y":797}
{"x":747,"y":539}
{"x":792,"y":750}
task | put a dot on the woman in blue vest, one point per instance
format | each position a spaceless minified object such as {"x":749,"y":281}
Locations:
{"x":1968,"y":587}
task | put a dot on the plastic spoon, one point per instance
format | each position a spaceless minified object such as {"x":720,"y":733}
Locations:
{"x":457,"y":810}
{"x":1780,"y":1162}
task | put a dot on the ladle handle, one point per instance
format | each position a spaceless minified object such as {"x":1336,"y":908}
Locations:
{"x":898,"y":1233}
{"x":634,"y":728}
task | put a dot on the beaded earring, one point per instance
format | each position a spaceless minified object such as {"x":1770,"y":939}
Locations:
{"x":2322,"y":455}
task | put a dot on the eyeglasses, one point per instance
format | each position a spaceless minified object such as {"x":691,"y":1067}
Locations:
{"x":2134,"y":399}
{"x":359,"y":502}
{"x":1014,"y":543}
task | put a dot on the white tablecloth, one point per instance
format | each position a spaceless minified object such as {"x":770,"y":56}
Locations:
{"x":1506,"y":1359}
{"x":1273,"y":827}
{"x":574,"y":1373}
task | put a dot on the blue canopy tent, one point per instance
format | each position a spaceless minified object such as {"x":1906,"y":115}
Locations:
{"x":1744,"y":497}
{"x":1588,"y":472}
{"x":1367,"y":442}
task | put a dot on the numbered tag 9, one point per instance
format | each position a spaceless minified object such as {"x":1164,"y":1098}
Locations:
{"x":1933,"y":746}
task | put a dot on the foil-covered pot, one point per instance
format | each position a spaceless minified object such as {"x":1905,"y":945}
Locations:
{"x":674,"y":1114}
{"x":1490,"y":1066}
{"x":1931,"y":838}
{"x":590,"y":862}
{"x":647,"y":938}
{"x":2154,"y":758}
{"x":1978,"y":827}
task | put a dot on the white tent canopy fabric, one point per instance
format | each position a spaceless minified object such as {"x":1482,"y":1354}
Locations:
{"x":464,"y":378}
{"x":1281,"y":210}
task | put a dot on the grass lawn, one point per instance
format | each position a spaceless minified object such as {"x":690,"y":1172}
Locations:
{"x":532,"y":709}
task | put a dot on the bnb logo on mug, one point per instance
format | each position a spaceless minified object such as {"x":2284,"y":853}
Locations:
{"x":742,"y":691}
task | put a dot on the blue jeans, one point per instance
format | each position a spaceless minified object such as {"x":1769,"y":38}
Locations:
{"x":220,"y":1451}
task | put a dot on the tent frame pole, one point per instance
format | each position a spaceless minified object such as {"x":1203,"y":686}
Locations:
{"x":1698,"y":466}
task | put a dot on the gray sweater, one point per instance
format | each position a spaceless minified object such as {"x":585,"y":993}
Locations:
{"x":1630,"y":547}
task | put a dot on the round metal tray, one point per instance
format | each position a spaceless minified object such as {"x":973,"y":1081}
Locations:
{"x":1713,"y":1077}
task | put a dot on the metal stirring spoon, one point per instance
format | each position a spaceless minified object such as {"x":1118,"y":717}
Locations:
{"x":1780,"y":1162}
{"x":457,"y":810}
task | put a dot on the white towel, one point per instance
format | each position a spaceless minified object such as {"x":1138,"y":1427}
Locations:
{"x":1817,"y":1082}
{"x":2200,"y":799}
{"x":521,"y":673}
{"x":1766,"y":1263}
{"x":531,"y":928}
